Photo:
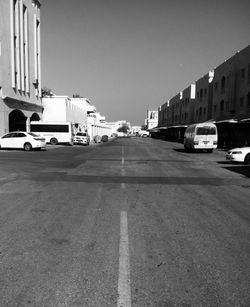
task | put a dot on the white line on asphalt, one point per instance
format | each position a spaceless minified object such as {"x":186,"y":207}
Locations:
{"x":123,"y":169}
{"x":124,"y":290}
{"x":123,"y":155}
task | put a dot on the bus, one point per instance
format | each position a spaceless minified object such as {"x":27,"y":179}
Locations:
{"x":54,"y":132}
{"x":201,"y":136}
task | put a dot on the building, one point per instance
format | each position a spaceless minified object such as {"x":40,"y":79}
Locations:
{"x":164,"y":115}
{"x":96,"y":123}
{"x":64,"y":108}
{"x":231,"y":88}
{"x":116,"y":126}
{"x":187,"y":105}
{"x":204,"y":98}
{"x":174,"y":109}
{"x":152,"y":119}
{"x":221,"y":94}
{"x":20,"y":64}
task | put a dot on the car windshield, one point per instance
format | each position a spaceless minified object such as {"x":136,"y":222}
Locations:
{"x":206,"y":131}
{"x":81,"y":134}
{"x":33,"y":134}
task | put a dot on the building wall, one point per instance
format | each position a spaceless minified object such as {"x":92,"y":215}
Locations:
{"x":221,"y":94}
{"x":20,"y":65}
{"x":187,"y":105}
{"x":242,"y":92}
{"x":63,"y":108}
{"x":223,"y":105}
{"x":174,"y":109}
{"x":152,"y":119}
{"x":203,"y":101}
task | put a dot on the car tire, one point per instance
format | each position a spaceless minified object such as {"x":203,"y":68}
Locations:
{"x":247,"y":159}
{"x":27,"y":147}
{"x":53,"y":141}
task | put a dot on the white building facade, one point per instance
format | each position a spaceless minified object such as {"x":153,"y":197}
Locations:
{"x":20,"y":64}
{"x":64,"y":108}
{"x":152,"y":119}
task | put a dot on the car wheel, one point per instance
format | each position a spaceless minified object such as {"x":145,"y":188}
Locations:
{"x":27,"y":147}
{"x":53,"y":141}
{"x":247,"y":159}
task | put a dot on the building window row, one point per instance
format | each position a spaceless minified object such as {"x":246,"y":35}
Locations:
{"x":201,"y":93}
{"x":20,"y":52}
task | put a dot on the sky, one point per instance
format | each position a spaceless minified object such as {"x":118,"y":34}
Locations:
{"x":128,"y":56}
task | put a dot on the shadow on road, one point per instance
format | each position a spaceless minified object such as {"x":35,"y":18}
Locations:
{"x":240,"y":169}
{"x":200,"y":151}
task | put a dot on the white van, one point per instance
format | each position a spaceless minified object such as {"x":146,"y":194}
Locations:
{"x":53,"y":132}
{"x":201,"y":136}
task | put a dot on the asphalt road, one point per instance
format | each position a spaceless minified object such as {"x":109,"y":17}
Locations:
{"x":133,"y":222}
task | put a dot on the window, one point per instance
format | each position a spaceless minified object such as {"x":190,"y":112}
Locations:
{"x":216,"y":86}
{"x":206,"y":131}
{"x":20,"y":135}
{"x":205,"y":92}
{"x":49,"y":128}
{"x":223,"y":84}
{"x":222,"y":106}
{"x":242,"y":73}
{"x":26,"y":73}
{"x":9,"y":135}
{"x":248,"y":74}
{"x":215,"y":108}
{"x":248,"y":100}
{"x":241,"y":102}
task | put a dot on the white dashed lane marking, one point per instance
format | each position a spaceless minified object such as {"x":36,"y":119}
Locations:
{"x":124,"y":288}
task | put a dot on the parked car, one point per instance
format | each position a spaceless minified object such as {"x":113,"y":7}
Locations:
{"x":22,"y":139}
{"x":144,"y":133}
{"x":97,"y":139}
{"x":105,"y":138}
{"x":240,"y":154}
{"x":82,"y":138}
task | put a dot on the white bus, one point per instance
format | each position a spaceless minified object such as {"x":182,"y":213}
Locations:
{"x":201,"y":136}
{"x":53,"y":132}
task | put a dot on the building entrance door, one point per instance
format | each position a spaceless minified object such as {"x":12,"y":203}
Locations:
{"x":17,"y":121}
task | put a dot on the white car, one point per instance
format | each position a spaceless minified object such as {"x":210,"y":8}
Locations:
{"x":22,"y":139}
{"x":240,"y":154}
{"x":144,"y":133}
{"x":82,"y":138}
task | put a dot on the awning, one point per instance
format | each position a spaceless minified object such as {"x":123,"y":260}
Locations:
{"x":14,"y":103}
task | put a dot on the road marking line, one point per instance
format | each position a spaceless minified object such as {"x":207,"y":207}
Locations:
{"x":124,"y":289}
{"x":123,"y":155}
{"x":123,"y":169}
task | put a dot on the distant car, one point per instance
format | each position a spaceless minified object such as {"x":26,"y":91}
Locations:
{"x":22,"y":139}
{"x":240,"y":154}
{"x":144,"y":133}
{"x":81,"y":138}
{"x":105,"y":138}
{"x":97,"y":139}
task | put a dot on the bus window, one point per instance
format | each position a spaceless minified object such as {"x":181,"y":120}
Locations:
{"x":206,"y":131}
